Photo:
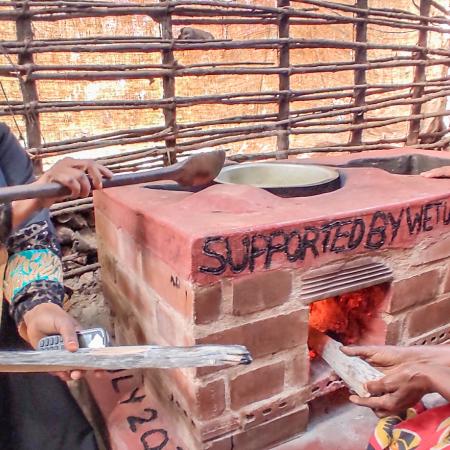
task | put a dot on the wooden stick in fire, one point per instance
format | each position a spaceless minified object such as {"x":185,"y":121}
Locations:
{"x":127,"y":357}
{"x":354,"y":371}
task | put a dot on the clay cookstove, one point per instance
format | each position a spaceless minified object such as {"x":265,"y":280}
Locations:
{"x":238,"y":265}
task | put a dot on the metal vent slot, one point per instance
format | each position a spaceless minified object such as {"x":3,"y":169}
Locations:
{"x":342,"y":281}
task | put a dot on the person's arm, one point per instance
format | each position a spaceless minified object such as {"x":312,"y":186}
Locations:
{"x":17,"y":169}
{"x":33,"y":274}
{"x":72,"y":173}
{"x":388,"y":356}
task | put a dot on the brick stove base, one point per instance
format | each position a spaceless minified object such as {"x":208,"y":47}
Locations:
{"x":231,"y":264}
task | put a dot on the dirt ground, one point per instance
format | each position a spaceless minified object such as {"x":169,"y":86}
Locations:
{"x":86,"y":302}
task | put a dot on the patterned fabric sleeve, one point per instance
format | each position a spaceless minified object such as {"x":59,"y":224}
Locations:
{"x":34,"y":270}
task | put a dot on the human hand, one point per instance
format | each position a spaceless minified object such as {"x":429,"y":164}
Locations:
{"x":439,"y":172}
{"x":49,"y":319}
{"x":75,"y":174}
{"x":388,"y":356}
{"x":397,"y":391}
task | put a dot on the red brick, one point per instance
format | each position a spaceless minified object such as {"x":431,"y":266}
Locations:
{"x":211,"y":400}
{"x":439,"y":249}
{"x":172,"y":327}
{"x":108,"y":264}
{"x":297,"y":367}
{"x":167,"y":283}
{"x":428,"y":317}
{"x":267,"y":336}
{"x":271,"y":433}
{"x":415,"y":290}
{"x":256,"y":385}
{"x":106,"y":233}
{"x":446,"y":283}
{"x":261,"y":291}
{"x":207,"y":302}
{"x":221,"y":444}
{"x":394,"y":332}
{"x":274,"y":407}
{"x":216,"y":428}
{"x":437,"y":336}
{"x":113,"y":239}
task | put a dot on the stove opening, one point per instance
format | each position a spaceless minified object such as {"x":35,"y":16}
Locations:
{"x":351,"y":318}
{"x":346,"y":317}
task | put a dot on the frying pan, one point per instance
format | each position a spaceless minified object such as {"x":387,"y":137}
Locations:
{"x":283,"y":179}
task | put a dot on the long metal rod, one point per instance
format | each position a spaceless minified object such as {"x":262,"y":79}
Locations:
{"x":48,"y":190}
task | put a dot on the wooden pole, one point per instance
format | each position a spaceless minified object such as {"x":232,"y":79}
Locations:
{"x":360,"y":74}
{"x":170,"y":110}
{"x":284,"y":83}
{"x":419,"y":76}
{"x":24,"y":32}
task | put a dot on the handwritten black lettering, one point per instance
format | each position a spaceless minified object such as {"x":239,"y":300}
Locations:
{"x":309,"y":241}
{"x":340,"y":234}
{"x":239,"y":267}
{"x":446,"y":214}
{"x":293,"y":247}
{"x":372,"y":231}
{"x":326,"y":231}
{"x":438,"y":212}
{"x":278,"y":242}
{"x":115,"y":382}
{"x":414,"y":224}
{"x":257,"y":250}
{"x":133,"y":421}
{"x":427,"y":218}
{"x":395,"y":223}
{"x":161,"y":437}
{"x":175,"y":281}
{"x":356,"y":234}
{"x":376,"y":237}
{"x":207,"y":250}
{"x":133,"y":398}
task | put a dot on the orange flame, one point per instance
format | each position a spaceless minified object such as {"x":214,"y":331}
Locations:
{"x":347,"y":315}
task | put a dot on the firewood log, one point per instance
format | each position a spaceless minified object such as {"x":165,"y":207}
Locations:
{"x":354,"y":371}
{"x":127,"y":357}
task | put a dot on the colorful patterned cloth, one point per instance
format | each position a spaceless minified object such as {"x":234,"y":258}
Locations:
{"x":34,"y":270}
{"x":417,"y":429}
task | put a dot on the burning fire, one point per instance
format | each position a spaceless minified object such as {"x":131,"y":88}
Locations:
{"x":346,"y":316}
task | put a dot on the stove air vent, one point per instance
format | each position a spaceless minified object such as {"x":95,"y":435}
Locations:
{"x":324,"y":283}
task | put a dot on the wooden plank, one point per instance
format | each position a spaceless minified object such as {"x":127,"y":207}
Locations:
{"x":127,"y":357}
{"x":355,"y":372}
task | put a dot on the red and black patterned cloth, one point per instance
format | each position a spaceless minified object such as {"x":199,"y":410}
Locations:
{"x":418,"y":429}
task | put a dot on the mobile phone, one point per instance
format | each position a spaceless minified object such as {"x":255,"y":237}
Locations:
{"x":91,"y":338}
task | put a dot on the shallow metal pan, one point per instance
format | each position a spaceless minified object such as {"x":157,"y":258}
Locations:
{"x":283,"y":179}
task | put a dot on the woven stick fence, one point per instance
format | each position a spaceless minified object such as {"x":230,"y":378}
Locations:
{"x":279,"y":121}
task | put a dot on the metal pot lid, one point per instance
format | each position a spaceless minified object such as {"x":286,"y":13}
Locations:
{"x":277,"y":175}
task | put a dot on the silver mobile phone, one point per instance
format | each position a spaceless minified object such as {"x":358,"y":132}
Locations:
{"x":91,"y":338}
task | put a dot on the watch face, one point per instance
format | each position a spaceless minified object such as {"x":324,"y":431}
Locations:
{"x":95,"y":338}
